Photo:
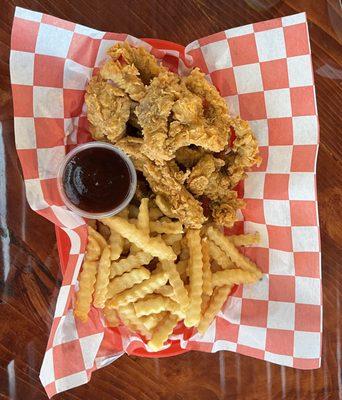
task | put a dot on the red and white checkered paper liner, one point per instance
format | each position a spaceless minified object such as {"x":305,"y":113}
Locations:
{"x":264,"y":71}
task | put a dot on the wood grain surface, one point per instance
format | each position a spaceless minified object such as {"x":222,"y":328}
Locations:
{"x":29,"y":266}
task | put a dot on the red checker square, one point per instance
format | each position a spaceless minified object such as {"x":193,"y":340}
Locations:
{"x":303,"y":213}
{"x":236,"y":291}
{"x":73,"y":102}
{"x":280,"y":237}
{"x":263,"y":153}
{"x":212,"y":38}
{"x":226,"y":330}
{"x":236,"y":229}
{"x":199,"y":61}
{"x":260,"y":256}
{"x":83,"y":49}
{"x":224,"y":80}
{"x":303,"y":101}
{"x":296,"y":40}
{"x":243,"y":50}
{"x":91,"y":328}
{"x":254,"y":211}
{"x":111,"y":343}
{"x":72,"y":352}
{"x":25,"y":42}
{"x":200,"y":346}
{"x":121,"y":37}
{"x":49,"y":132}
{"x":274,"y":74}
{"x":48,"y":71}
{"x":280,"y":131}
{"x":282,"y":288}
{"x":53,"y":329}
{"x":50,"y":389}
{"x":280,"y":341}
{"x":29,"y":163}
{"x":306,"y":363}
{"x":303,"y":158}
{"x":250,"y":351}
{"x":252,"y":106}
{"x":22,"y":100}
{"x":307,"y":264}
{"x":60,"y":23}
{"x":68,"y":273}
{"x":267,"y":25}
{"x":50,"y":192}
{"x":308,"y":317}
{"x":276,"y":186}
{"x":254,"y":312}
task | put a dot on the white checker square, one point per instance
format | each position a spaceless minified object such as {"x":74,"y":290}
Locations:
{"x":305,"y":129}
{"x":28,"y":14}
{"x":239,"y":31}
{"x":217,"y":55}
{"x":279,"y":159}
{"x":308,"y":290}
{"x":233,"y":105}
{"x":279,"y":359}
{"x":21,"y":67}
{"x":208,"y":336}
{"x":254,"y":185}
{"x":252,"y":336}
{"x":77,"y":269}
{"x":49,"y":160}
{"x":270,"y":44}
{"x":75,"y":241}
{"x":48,"y":102}
{"x":277,"y":212}
{"x":47,"y":371}
{"x":260,"y":130}
{"x":307,"y":344}
{"x":25,"y":133}
{"x":278,"y":103}
{"x":34,"y":194}
{"x":302,"y":186}
{"x":258,"y":290}
{"x":68,"y":218}
{"x":305,"y":238}
{"x":251,"y":227}
{"x":90,"y":346}
{"x":248,"y":78}
{"x":231,"y":311}
{"x":85,"y":30}
{"x":191,"y":46}
{"x":281,"y":315}
{"x":71,"y":381}
{"x":66,"y":330}
{"x":53,"y":41}
{"x":294,"y":19}
{"x":76,"y":76}
{"x":281,"y":263}
{"x":224,"y":345}
{"x":62,"y":300}
{"x":102,"y":52}
{"x":300,"y":71}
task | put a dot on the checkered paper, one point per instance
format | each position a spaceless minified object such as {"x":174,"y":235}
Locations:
{"x":264,"y":72}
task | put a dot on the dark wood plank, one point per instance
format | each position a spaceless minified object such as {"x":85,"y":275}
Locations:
{"x":29,"y":268}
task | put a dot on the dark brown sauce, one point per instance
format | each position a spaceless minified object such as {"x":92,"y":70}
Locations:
{"x":96,"y":180}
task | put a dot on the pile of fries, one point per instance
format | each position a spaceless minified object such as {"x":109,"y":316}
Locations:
{"x":145,"y":271}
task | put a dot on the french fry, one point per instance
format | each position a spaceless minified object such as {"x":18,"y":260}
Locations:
{"x":111,"y":317}
{"x":98,"y":237}
{"x":184,"y":254}
{"x":193,"y":314}
{"x":127,"y":264}
{"x":166,"y":227}
{"x":239,"y":259}
{"x":93,"y":251}
{"x":220,"y":256}
{"x":205,"y":303}
{"x":152,"y":320}
{"x":207,"y":287}
{"x":127,"y":280}
{"x":143,"y":222}
{"x":166,"y":291}
{"x":216,"y":302}
{"x":174,"y":240}
{"x":139,"y":291}
{"x":116,"y":244}
{"x":155,"y":213}
{"x":128,"y":316}
{"x":180,"y":293}
{"x":234,"y":276}
{"x":183,"y":269}
{"x":245,"y":240}
{"x":153,"y":245}
{"x":155,"y":304}
{"x":102,"y":279}
{"x":162,"y":332}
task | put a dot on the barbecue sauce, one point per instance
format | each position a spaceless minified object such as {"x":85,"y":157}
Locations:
{"x":96,"y":180}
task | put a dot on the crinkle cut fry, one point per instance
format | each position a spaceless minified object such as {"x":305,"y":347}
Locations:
{"x":128,"y":316}
{"x":162,"y":332}
{"x":180,"y":293}
{"x":234,"y":276}
{"x":127,"y":264}
{"x":102,"y":279}
{"x":127,"y":280}
{"x":220,"y":256}
{"x":207,"y":276}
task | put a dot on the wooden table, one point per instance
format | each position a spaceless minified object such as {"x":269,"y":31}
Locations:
{"x":30,"y":267}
